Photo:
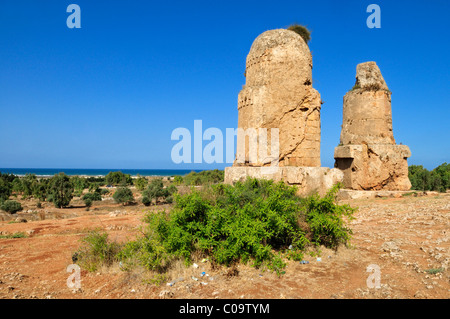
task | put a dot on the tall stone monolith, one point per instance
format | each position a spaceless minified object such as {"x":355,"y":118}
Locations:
{"x":368,"y":154}
{"x":279,"y":101}
{"x":278,"y":93}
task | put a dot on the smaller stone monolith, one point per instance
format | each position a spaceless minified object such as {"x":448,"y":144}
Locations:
{"x":367,"y":154}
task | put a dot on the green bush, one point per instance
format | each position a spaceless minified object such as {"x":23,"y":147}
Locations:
{"x":99,"y":181}
{"x":146,"y":201}
{"x":156,"y":191}
{"x":203,"y":178}
{"x":5,"y":189}
{"x":249,"y":221}
{"x":178,"y":180}
{"x":95,"y":196}
{"x":96,"y":250}
{"x":118,"y":178}
{"x":11,"y":206}
{"x":140,"y":183}
{"x":79,"y":183}
{"x":302,"y":31}
{"x":326,"y":219}
{"x":60,"y":191}
{"x":123,"y":195}
{"x":40,"y":190}
{"x":13,"y":236}
{"x":88,"y":203}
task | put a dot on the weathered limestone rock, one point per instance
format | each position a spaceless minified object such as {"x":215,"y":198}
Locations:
{"x":278,"y":94}
{"x":368,"y":155}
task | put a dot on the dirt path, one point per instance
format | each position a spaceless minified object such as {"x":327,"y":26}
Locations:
{"x":404,"y":237}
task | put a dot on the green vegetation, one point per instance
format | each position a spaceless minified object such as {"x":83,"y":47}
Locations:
{"x":140,"y":183}
{"x":15,"y":235}
{"x":5,"y":188}
{"x":118,"y":179}
{"x":124,"y":196}
{"x":156,"y":191}
{"x":256,"y":221}
{"x":177,"y":180}
{"x":201,"y":178}
{"x":60,"y":191}
{"x":302,"y":31}
{"x":96,"y":250}
{"x":11,"y":206}
{"x":434,"y":271}
{"x":89,"y":198}
{"x":424,"y":180}
{"x":79,"y":184}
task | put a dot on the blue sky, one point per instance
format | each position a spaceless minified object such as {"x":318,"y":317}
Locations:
{"x":110,"y":94}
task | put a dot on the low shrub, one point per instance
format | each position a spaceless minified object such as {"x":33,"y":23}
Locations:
{"x":202,"y":178}
{"x":156,"y":191}
{"x":146,"y":201}
{"x":327,"y":220}
{"x":96,"y":251}
{"x":256,"y":221}
{"x":13,"y":236}
{"x":95,"y":196}
{"x":11,"y":206}
{"x":123,"y":195}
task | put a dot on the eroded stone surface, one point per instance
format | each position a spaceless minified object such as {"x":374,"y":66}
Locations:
{"x":368,"y":155}
{"x":278,"y":94}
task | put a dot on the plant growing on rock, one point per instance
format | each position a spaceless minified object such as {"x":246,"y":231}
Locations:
{"x":302,"y":31}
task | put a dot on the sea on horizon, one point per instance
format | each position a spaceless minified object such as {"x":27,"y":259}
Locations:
{"x":46,"y":172}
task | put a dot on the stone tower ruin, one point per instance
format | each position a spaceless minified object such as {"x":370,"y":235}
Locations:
{"x":278,"y":95}
{"x":367,"y":153}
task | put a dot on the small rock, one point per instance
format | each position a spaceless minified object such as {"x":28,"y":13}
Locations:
{"x":165,"y":294}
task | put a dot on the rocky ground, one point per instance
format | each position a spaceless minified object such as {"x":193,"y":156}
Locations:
{"x":407,"y":238}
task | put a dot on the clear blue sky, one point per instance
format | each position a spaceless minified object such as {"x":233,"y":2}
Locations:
{"x":108,"y":95}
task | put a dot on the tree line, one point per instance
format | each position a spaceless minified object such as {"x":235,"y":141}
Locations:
{"x":424,"y":180}
{"x":60,"y":189}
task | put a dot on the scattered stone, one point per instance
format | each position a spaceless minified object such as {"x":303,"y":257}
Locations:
{"x":166,"y":294}
{"x":30,"y":232}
